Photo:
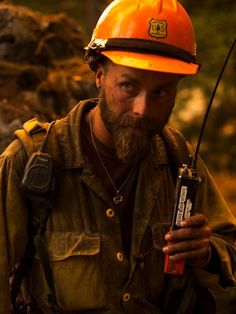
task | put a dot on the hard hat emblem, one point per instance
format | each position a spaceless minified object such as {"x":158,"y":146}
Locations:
{"x":158,"y":28}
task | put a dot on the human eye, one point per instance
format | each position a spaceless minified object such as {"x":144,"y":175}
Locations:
{"x":128,"y":87}
{"x":162,"y":93}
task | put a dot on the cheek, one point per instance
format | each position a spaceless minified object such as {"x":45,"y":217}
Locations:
{"x":117,"y":102}
{"x":162,"y":110}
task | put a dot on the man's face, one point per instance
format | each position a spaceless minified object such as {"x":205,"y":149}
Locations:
{"x":135,"y":105}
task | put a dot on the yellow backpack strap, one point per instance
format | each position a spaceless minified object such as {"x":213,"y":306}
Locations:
{"x":32,"y":134}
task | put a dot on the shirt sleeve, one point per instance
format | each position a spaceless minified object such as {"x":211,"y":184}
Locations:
{"x":223,"y":225}
{"x":13,"y":218}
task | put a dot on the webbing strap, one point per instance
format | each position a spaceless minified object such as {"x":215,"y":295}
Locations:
{"x":140,"y":45}
{"x":22,"y":271}
{"x":31,"y":135}
{"x":45,"y":261}
{"x":39,"y":207}
{"x":151,"y":47}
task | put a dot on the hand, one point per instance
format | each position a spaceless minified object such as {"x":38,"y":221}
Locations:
{"x":191,"y":242}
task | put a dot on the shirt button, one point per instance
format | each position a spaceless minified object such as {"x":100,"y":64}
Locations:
{"x":126,"y":297}
{"x":110,"y":212}
{"x":120,"y":256}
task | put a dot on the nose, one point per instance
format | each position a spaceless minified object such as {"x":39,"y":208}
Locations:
{"x":140,"y":105}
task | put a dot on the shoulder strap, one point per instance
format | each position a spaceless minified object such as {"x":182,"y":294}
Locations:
{"x":32,"y":134}
{"x":38,"y":185}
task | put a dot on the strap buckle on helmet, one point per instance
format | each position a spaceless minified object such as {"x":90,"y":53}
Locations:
{"x":92,"y":52}
{"x":140,"y":46}
{"x":97,"y":44}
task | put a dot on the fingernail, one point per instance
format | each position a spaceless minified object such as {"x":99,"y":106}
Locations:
{"x":167,"y":236}
{"x":165,"y":249}
{"x":183,"y":223}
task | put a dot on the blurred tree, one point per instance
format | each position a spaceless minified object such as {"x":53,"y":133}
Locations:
{"x":215,"y":26}
{"x":84,"y":11}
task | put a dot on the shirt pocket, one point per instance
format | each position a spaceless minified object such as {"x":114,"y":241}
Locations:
{"x":62,"y":246}
{"x":75,"y":265}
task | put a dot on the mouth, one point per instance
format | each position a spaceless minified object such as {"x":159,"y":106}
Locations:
{"x":138,"y":129}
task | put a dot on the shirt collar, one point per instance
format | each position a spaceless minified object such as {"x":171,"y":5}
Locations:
{"x":69,"y":136}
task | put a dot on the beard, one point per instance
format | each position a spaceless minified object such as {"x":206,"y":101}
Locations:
{"x":132,"y":136}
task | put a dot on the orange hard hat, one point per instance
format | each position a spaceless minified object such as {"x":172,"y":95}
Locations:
{"x":154,"y":35}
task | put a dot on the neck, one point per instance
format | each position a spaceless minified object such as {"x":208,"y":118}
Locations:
{"x":99,"y":129}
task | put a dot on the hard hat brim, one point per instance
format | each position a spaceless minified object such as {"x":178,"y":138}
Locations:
{"x":151,"y":62}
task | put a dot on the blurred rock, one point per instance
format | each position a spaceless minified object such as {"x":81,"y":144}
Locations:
{"x":42,"y":72}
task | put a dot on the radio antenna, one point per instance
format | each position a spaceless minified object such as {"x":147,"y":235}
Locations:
{"x":194,"y":160}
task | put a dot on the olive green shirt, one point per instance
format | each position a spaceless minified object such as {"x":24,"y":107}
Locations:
{"x":91,"y":272}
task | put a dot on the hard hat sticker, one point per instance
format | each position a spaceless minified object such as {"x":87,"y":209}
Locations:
{"x":158,"y":28}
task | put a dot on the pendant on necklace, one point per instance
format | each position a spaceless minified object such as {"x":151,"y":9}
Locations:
{"x":117,"y":199}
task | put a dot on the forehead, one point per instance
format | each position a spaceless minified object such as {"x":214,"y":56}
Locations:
{"x":141,"y":76}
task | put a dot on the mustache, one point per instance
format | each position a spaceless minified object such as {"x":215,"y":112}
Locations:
{"x":136,"y":122}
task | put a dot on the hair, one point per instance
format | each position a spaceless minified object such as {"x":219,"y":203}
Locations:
{"x":93,"y":59}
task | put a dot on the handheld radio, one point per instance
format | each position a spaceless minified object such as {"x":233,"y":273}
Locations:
{"x":187,"y":185}
{"x":38,"y":177}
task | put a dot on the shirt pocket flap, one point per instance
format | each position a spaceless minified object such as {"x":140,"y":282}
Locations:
{"x":62,"y":245}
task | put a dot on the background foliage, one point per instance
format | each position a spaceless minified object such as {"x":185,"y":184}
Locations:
{"x":215,"y":27}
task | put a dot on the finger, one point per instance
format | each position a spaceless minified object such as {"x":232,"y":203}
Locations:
{"x":192,"y":255}
{"x":185,"y":246}
{"x":194,"y":221}
{"x":188,"y":233}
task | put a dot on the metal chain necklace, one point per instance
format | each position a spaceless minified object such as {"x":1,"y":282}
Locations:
{"x":118,"y":198}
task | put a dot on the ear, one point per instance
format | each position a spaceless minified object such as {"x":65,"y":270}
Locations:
{"x":99,"y":76}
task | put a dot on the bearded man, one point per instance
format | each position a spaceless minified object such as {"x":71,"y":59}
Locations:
{"x":91,"y":233}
